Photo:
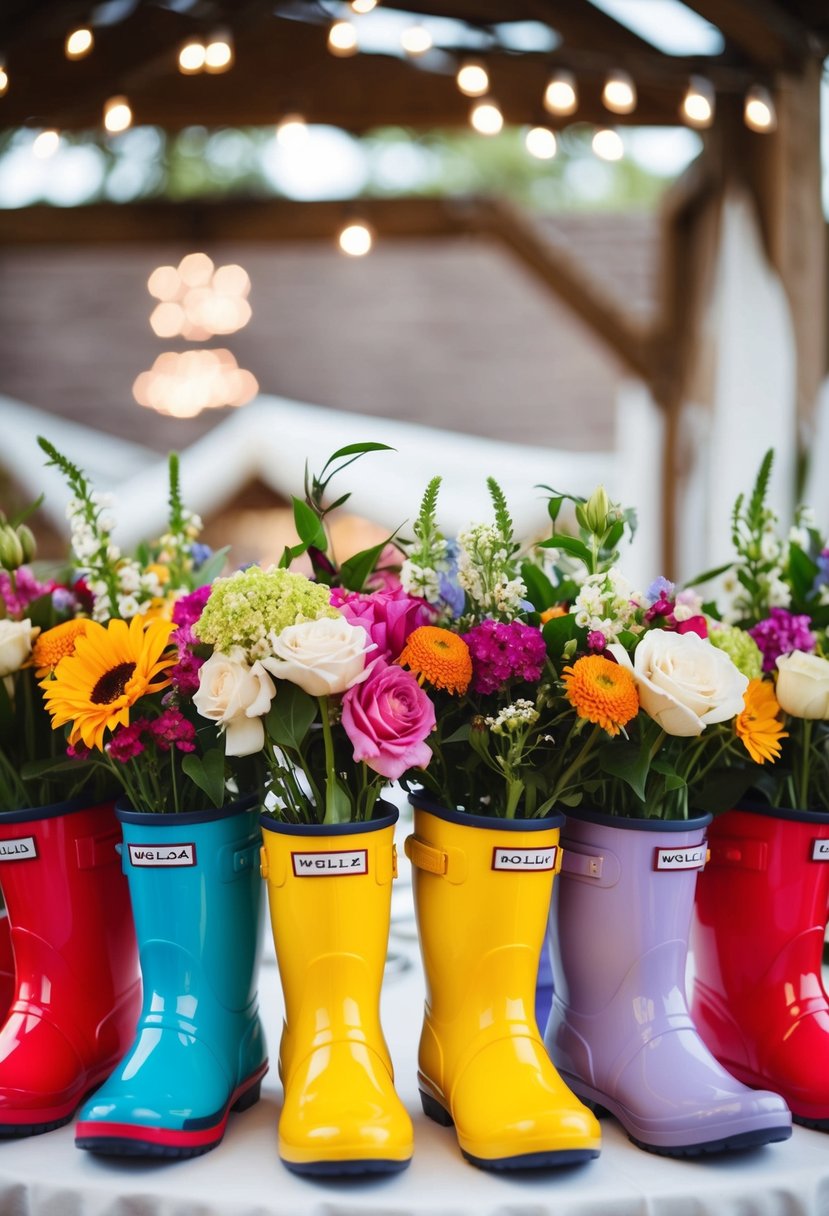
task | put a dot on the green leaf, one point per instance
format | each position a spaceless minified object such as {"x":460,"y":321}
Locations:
{"x":461,"y":735}
{"x":723,"y":788}
{"x":554,"y":507}
{"x":213,"y":567}
{"x":355,"y":571}
{"x":567,"y":544}
{"x":802,"y":571}
{"x":208,"y":773}
{"x":673,"y":781}
{"x":628,"y":762}
{"x":558,"y":632}
{"x":290,"y":716}
{"x":357,"y":449}
{"x":41,"y":612}
{"x":26,"y":512}
{"x":540,"y":590}
{"x":573,"y":798}
{"x":337,"y":802}
{"x":308,"y":525}
{"x":709,"y":574}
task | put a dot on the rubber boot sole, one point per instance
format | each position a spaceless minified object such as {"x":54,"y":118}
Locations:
{"x":551,"y":1159}
{"x":135,"y":1140}
{"x":345,"y":1169}
{"x":59,"y":1116}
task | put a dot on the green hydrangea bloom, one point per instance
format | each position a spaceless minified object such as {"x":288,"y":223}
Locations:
{"x":244,"y":608}
{"x":741,"y":648}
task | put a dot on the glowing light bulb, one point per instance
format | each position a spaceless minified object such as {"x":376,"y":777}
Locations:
{"x":608,"y":145}
{"x":342,"y":39}
{"x":619,"y":93}
{"x":117,"y":115}
{"x":363,"y":6}
{"x":541,"y":143}
{"x":78,"y":43}
{"x":416,"y":40}
{"x":46,"y":144}
{"x":191,"y":58}
{"x":355,"y":239}
{"x":218,"y":54}
{"x":292,"y":131}
{"x":4,"y":81}
{"x":472,"y":79}
{"x":699,"y":103}
{"x":486,"y":117}
{"x":561,"y":96}
{"x":760,"y":113}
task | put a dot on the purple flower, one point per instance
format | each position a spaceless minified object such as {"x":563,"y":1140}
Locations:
{"x":126,"y":742}
{"x":172,"y":728}
{"x":63,"y":601}
{"x":189,"y":608}
{"x":200,"y":553}
{"x":781,"y":633}
{"x":502,"y":652}
{"x":660,"y":589}
{"x":596,"y":641}
{"x":388,"y":617}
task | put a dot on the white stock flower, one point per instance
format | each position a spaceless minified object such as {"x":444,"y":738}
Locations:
{"x":684,"y":683}
{"x":803,"y":685}
{"x":322,"y":657}
{"x":16,"y":638}
{"x":420,"y":580}
{"x":235,"y":695}
{"x":606,"y":604}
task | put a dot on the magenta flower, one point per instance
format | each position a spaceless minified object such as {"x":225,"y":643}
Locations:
{"x":78,"y":751}
{"x":387,"y":718}
{"x":172,"y":729}
{"x":502,"y":652}
{"x":596,"y":641}
{"x":694,"y":624}
{"x":781,"y":633}
{"x":26,"y":588}
{"x":388,"y":617}
{"x":189,"y":608}
{"x":126,"y":742}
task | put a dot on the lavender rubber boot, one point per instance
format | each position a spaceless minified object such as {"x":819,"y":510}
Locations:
{"x":620,"y":1033}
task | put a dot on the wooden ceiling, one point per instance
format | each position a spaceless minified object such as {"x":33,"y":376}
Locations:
{"x":282,"y":62}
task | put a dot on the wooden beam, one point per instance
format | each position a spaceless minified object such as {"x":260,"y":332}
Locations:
{"x":764,"y":30}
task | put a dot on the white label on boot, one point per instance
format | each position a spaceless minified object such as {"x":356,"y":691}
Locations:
{"x":687,"y":857}
{"x":524,"y":859}
{"x":820,"y":850}
{"x":162,"y":855}
{"x":338,"y":863}
{"x":21,"y":849}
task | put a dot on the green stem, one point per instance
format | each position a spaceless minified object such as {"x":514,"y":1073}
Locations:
{"x":573,"y":768}
{"x":805,"y":757}
{"x":332,"y":814}
{"x":515,"y":789}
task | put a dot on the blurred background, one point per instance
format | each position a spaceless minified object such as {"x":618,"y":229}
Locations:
{"x":555,"y":241}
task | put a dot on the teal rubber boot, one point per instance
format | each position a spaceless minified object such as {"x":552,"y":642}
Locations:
{"x":199,"y":1050}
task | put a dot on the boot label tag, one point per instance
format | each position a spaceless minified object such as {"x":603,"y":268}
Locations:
{"x":820,"y":850}
{"x":22,"y":849}
{"x":689,"y":857}
{"x":340,"y":863}
{"x":155,"y":856}
{"x":524,"y":859}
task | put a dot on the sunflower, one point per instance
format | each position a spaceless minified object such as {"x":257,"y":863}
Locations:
{"x":602,"y":692}
{"x":758,"y":726}
{"x":438,"y":657}
{"x":110,"y":669}
{"x":56,"y":643}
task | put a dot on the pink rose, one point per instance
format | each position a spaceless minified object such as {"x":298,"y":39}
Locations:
{"x":387,"y":718}
{"x":388,"y":617}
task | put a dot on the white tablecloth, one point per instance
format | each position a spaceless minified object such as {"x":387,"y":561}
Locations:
{"x":47,"y":1176}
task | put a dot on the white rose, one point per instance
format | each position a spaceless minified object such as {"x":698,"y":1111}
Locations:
{"x":16,"y":639}
{"x":235,"y":695}
{"x":803,"y":685}
{"x":684,"y":682}
{"x":322,"y":657}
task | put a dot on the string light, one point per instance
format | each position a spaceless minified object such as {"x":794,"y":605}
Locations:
{"x":292,"y":131}
{"x":4,"y":81}
{"x":46,"y":144}
{"x":561,"y":96}
{"x":486,"y":117}
{"x":355,"y":239}
{"x":363,"y":6}
{"x":540,"y":142}
{"x":218,"y":54}
{"x":607,"y":145}
{"x":342,"y":39}
{"x":416,"y":40}
{"x":117,"y":114}
{"x":472,"y":79}
{"x":619,"y":93}
{"x":79,"y":43}
{"x":191,"y":58}
{"x":699,"y":103}
{"x":760,"y":113}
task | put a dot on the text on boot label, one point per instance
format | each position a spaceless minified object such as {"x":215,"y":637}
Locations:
{"x":342,"y":863}
{"x":820,"y":850}
{"x":155,"y":855}
{"x":689,"y":857}
{"x":524,"y":859}
{"x":21,"y":849}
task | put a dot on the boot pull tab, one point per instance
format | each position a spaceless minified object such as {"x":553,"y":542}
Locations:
{"x":274,"y":870}
{"x":91,"y":852}
{"x":446,"y":863}
{"x":385,"y":864}
{"x":602,"y":869}
{"x":738,"y":853}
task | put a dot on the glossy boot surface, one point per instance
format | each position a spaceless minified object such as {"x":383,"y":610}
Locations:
{"x":757,"y":937}
{"x":620,"y":1031}
{"x":482,"y":893}
{"x":77,"y":991}
{"x":329,"y":889}
{"x":199,"y":1050}
{"x":6,"y":965}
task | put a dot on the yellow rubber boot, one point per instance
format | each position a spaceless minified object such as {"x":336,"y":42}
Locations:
{"x":482,"y":893}
{"x":329,"y":889}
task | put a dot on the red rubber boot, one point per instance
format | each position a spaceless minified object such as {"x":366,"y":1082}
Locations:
{"x":78,"y":992}
{"x":6,"y":966}
{"x":757,"y":937}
